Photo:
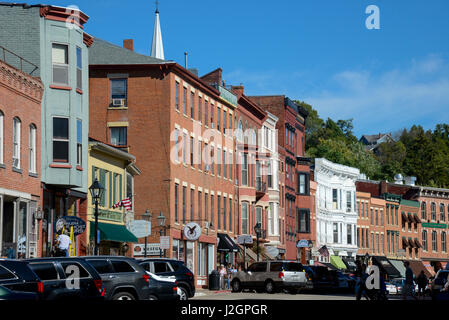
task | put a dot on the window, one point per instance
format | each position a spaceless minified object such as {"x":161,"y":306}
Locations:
{"x":348,"y":201}
{"x":224,"y":121}
{"x":191,"y":105}
{"x":230,"y":166}
{"x":79,"y":142}
{"x":219,"y":159}
{"x":377,"y":217}
{"x":32,"y":147}
{"x":184,"y":100}
{"x":1,"y":136}
{"x":230,"y":121}
{"x":79,"y":68}
{"x":121,"y":266}
{"x":45,"y":271}
{"x":184,"y":191}
{"x":119,"y":136}
{"x":206,"y":212}
{"x":349,"y":234}
{"x":304,"y":221}
{"x":176,"y":201}
{"x":184,"y":148}
{"x":118,"y":92}
{"x":200,"y":195}
{"x":244,"y":218}
{"x":424,"y":240}
{"x":161,"y":267}
{"x":442,"y":212}
{"x":60,"y":62}
{"x":372,"y":216}
{"x":443,"y":242}
{"x":334,"y":198}
{"x":244,"y":170}
{"x":191,"y":151}
{"x":177,"y":96}
{"x":199,"y":109}
{"x":225,"y":167}
{"x":335,"y":233}
{"x":80,"y":270}
{"x":60,"y":139}
{"x":433,"y":211}
{"x":5,"y":274}
{"x":200,"y":147}
{"x":212,"y":125}
{"x":205,"y":113}
{"x":423,"y":211}
{"x":192,"y":194}
{"x":224,"y":213}
{"x":219,"y":212}
{"x":259,"y":215}
{"x":212,"y":208}
{"x":434,"y":241}
{"x":218,"y":119}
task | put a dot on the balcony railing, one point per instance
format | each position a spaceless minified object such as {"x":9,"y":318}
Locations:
{"x":16,"y":61}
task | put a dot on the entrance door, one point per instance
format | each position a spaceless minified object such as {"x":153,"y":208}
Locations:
{"x":8,"y":230}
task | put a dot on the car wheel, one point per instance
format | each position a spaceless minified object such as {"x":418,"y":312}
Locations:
{"x":236,"y":286}
{"x":269,"y":287}
{"x":184,"y":294}
{"x":153,"y":298}
{"x":123,"y":296}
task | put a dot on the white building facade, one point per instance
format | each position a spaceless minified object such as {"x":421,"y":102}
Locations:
{"x":336,"y":215}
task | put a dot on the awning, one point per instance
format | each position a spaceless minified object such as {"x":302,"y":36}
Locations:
{"x":404,"y":242}
{"x":411,"y":219}
{"x":411,"y":243}
{"x":417,"y":267}
{"x":112,"y":232}
{"x":417,"y":243}
{"x":399,"y":265}
{"x":386,"y":266}
{"x":405,"y":217}
{"x":338,"y":263}
{"x":417,"y":219}
{"x":225,"y":243}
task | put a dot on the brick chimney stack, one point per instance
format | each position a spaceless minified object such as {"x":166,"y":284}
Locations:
{"x":239,"y":89}
{"x":128,"y":44}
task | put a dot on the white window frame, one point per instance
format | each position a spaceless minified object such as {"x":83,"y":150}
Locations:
{"x":17,"y":124}
{"x":32,"y":149}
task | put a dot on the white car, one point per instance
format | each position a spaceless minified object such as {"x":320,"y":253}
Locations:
{"x":391,"y":288}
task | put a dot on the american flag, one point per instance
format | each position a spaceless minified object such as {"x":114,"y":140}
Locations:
{"x":323,"y":251}
{"x":124,"y":203}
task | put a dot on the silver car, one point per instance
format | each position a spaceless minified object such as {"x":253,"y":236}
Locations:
{"x":272,"y":276}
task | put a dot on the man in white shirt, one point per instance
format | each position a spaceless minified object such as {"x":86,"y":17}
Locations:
{"x":63,"y":244}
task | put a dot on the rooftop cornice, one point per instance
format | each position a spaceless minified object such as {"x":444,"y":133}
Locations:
{"x":21,"y":82}
{"x":64,"y":14}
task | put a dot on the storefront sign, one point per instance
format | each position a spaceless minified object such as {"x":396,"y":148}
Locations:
{"x":192,"y":231}
{"x":153,"y":249}
{"x":140,"y":228}
{"x":303,"y":244}
{"x":434,"y":225}
{"x":165,"y":243}
{"x":79,"y":226}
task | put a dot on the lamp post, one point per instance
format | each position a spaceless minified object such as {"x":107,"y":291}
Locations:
{"x":147,"y":216}
{"x":258,"y":231}
{"x":96,"y":191}
{"x":161,"y":222}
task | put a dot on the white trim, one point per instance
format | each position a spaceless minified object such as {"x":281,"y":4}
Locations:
{"x":16,"y":194}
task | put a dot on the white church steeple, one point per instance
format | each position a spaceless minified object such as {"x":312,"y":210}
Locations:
{"x":157,"y":48}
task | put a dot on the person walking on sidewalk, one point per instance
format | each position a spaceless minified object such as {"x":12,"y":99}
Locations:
{"x":422,"y":284}
{"x":222,"y":277}
{"x":408,"y":283}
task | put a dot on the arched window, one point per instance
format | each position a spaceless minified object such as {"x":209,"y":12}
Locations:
{"x":1,"y":136}
{"x":424,"y":240}
{"x":442,"y":212}
{"x":424,"y":210}
{"x":16,"y":143}
{"x":433,"y":211}
{"x":32,"y":149}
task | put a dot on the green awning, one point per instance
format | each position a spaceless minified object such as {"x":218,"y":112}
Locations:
{"x":338,"y":262}
{"x":112,"y":232}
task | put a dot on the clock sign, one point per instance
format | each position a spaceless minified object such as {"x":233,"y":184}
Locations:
{"x":192,"y":231}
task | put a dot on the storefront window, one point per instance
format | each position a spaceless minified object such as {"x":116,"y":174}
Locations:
{"x":181,"y":252}
{"x":22,"y":231}
{"x":190,"y":256}
{"x":175,"y":249}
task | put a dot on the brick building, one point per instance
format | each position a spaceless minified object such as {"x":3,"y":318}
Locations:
{"x":296,"y":202}
{"x":20,"y":151}
{"x":174,"y":124}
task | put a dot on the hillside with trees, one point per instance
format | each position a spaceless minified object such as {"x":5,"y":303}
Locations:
{"x":415,"y":152}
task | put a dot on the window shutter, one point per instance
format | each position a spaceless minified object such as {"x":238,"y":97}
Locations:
{"x":120,"y":187}
{"x":93,"y":179}
{"x":102,"y":181}
{"x":110,"y":189}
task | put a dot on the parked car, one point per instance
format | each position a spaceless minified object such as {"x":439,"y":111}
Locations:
{"x":123,"y":278}
{"x":7,"y":294}
{"x":272,"y":276}
{"x":391,"y":288}
{"x":321,"y":278}
{"x":342,"y":281}
{"x":17,"y":276}
{"x":439,"y":282}
{"x":163,"y":288}
{"x":399,"y":283}
{"x":67,"y":278}
{"x":172,"y":268}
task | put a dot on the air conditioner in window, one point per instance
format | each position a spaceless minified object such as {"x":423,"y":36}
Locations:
{"x":118,"y":102}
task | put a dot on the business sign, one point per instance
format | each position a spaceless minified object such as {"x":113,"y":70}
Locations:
{"x":140,"y":228}
{"x":245,"y":239}
{"x":79,"y":226}
{"x":165,"y":243}
{"x":153,"y":249}
{"x":303,"y":244}
{"x":192,"y":231}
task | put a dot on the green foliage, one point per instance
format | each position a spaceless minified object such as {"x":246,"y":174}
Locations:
{"x":419,"y":153}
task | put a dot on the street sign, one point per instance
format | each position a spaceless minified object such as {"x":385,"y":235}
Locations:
{"x":245,"y":239}
{"x":165,"y":242}
{"x":140,"y":228}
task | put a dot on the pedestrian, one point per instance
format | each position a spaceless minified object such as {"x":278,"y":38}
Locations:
{"x":63,"y":243}
{"x":407,"y":290}
{"x":229,"y":276}
{"x":222,"y":277}
{"x":361,"y":276}
{"x":422,"y":284}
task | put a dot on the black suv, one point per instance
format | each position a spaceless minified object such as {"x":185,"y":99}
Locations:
{"x":321,"y":278}
{"x":171,"y":267}
{"x":123,"y":278}
{"x":67,"y":278}
{"x":17,"y":276}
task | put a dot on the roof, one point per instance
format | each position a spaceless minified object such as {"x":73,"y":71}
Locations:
{"x":105,"y":53}
{"x":372,"y":139}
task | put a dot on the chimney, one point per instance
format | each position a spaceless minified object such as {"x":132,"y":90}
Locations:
{"x":383,"y":187}
{"x":128,"y":44}
{"x":239,"y":89}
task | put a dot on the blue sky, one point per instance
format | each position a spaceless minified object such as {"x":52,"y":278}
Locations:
{"x":317,"y":51}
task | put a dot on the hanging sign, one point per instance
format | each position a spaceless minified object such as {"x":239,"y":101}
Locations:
{"x":78,"y":224}
{"x":140,"y":228}
{"x":192,"y":231}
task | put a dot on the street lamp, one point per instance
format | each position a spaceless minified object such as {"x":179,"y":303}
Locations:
{"x":258,"y":231}
{"x":96,"y":191}
{"x":147,"y":217}
{"x":161,"y":222}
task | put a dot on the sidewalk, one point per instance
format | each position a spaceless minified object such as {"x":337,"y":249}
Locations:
{"x":207,"y":292}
